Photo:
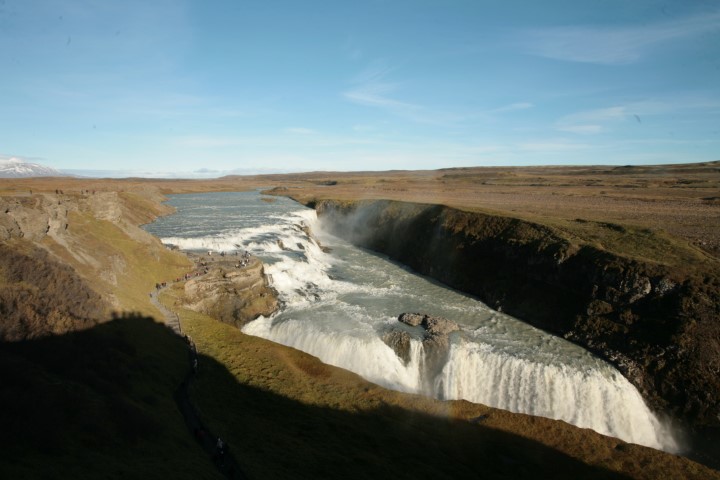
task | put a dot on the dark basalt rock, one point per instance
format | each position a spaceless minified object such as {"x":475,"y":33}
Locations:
{"x":434,"y":326}
{"x":400,"y":342}
{"x":435,"y":339}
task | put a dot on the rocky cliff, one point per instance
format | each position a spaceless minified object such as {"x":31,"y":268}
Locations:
{"x":232,"y":292}
{"x":659,"y":324}
{"x":67,"y":261}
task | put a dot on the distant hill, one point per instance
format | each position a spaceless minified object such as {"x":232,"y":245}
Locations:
{"x":16,"y":168}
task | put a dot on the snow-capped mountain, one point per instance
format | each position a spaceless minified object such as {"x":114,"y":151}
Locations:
{"x":16,"y":168}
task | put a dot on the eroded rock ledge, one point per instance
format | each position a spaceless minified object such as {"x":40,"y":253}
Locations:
{"x":230,"y":292}
{"x":659,"y":325}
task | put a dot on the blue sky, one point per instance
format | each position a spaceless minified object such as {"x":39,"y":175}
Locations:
{"x":173,"y":87}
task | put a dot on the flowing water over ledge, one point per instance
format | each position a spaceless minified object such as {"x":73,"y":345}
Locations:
{"x":338,"y":306}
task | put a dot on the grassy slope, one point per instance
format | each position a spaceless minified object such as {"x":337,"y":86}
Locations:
{"x":116,"y":257}
{"x":99,"y":403}
{"x":287,"y":415}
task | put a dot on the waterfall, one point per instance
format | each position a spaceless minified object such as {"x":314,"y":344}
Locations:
{"x":338,"y":305}
{"x":602,"y":400}
{"x":361,"y":351}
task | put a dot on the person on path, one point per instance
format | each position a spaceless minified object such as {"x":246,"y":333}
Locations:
{"x":220,"y":449}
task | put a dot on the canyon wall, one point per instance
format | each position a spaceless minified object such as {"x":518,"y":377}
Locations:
{"x":659,"y":325}
{"x":68,"y":261}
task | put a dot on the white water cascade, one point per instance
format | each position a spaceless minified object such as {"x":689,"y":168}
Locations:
{"x":338,"y":306}
{"x":592,"y":398}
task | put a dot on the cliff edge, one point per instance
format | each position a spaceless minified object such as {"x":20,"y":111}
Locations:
{"x":234,"y":290}
{"x":658,"y":323}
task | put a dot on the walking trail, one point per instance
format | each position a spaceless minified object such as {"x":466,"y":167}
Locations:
{"x":213,"y":446}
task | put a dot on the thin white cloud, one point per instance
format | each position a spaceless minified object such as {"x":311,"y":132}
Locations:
{"x":552,"y":146}
{"x":207,"y":141}
{"x":612,"y":45}
{"x":595,"y":121}
{"x":372,"y":89}
{"x":513,"y":107}
{"x":375,"y":73}
{"x":362,"y":128}
{"x":377,"y":95}
{"x":300,"y":131}
{"x":304,"y":139}
{"x":581,"y":129}
{"x":602,"y":120}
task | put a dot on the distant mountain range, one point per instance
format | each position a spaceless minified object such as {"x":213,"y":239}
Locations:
{"x":16,"y":168}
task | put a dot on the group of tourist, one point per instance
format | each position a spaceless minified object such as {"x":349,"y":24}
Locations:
{"x":245,"y":260}
{"x":202,"y":269}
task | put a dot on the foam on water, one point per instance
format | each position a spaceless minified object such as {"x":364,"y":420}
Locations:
{"x":359,"y":350}
{"x":596,"y":398}
{"x":337,"y":306}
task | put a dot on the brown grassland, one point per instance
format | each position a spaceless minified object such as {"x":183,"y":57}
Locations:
{"x":671,"y":211}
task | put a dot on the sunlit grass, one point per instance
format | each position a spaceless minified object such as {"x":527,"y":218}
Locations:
{"x":285,"y":414}
{"x":117,"y":264}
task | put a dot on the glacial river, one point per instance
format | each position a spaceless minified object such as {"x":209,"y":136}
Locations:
{"x":337,"y":305}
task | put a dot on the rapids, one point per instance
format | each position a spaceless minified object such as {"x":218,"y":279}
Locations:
{"x":337,"y":305}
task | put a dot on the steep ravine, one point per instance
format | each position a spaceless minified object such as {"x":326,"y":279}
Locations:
{"x":660,"y":326}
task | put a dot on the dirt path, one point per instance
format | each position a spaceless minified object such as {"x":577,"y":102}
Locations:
{"x":212,"y":444}
{"x":171,"y":319}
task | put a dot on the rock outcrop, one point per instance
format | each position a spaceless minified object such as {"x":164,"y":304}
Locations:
{"x":400,"y":341}
{"x":232,"y":294}
{"x":34,"y":217}
{"x":658,"y":324}
{"x":435,"y":337}
{"x":436,"y":340}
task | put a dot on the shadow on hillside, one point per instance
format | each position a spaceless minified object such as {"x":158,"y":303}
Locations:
{"x":100,"y":403}
{"x":97,"y":403}
{"x":272,"y":436}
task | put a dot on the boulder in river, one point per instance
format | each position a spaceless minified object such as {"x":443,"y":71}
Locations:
{"x":435,"y":340}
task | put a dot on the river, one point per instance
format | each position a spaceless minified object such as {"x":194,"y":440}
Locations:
{"x":339,"y":302}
